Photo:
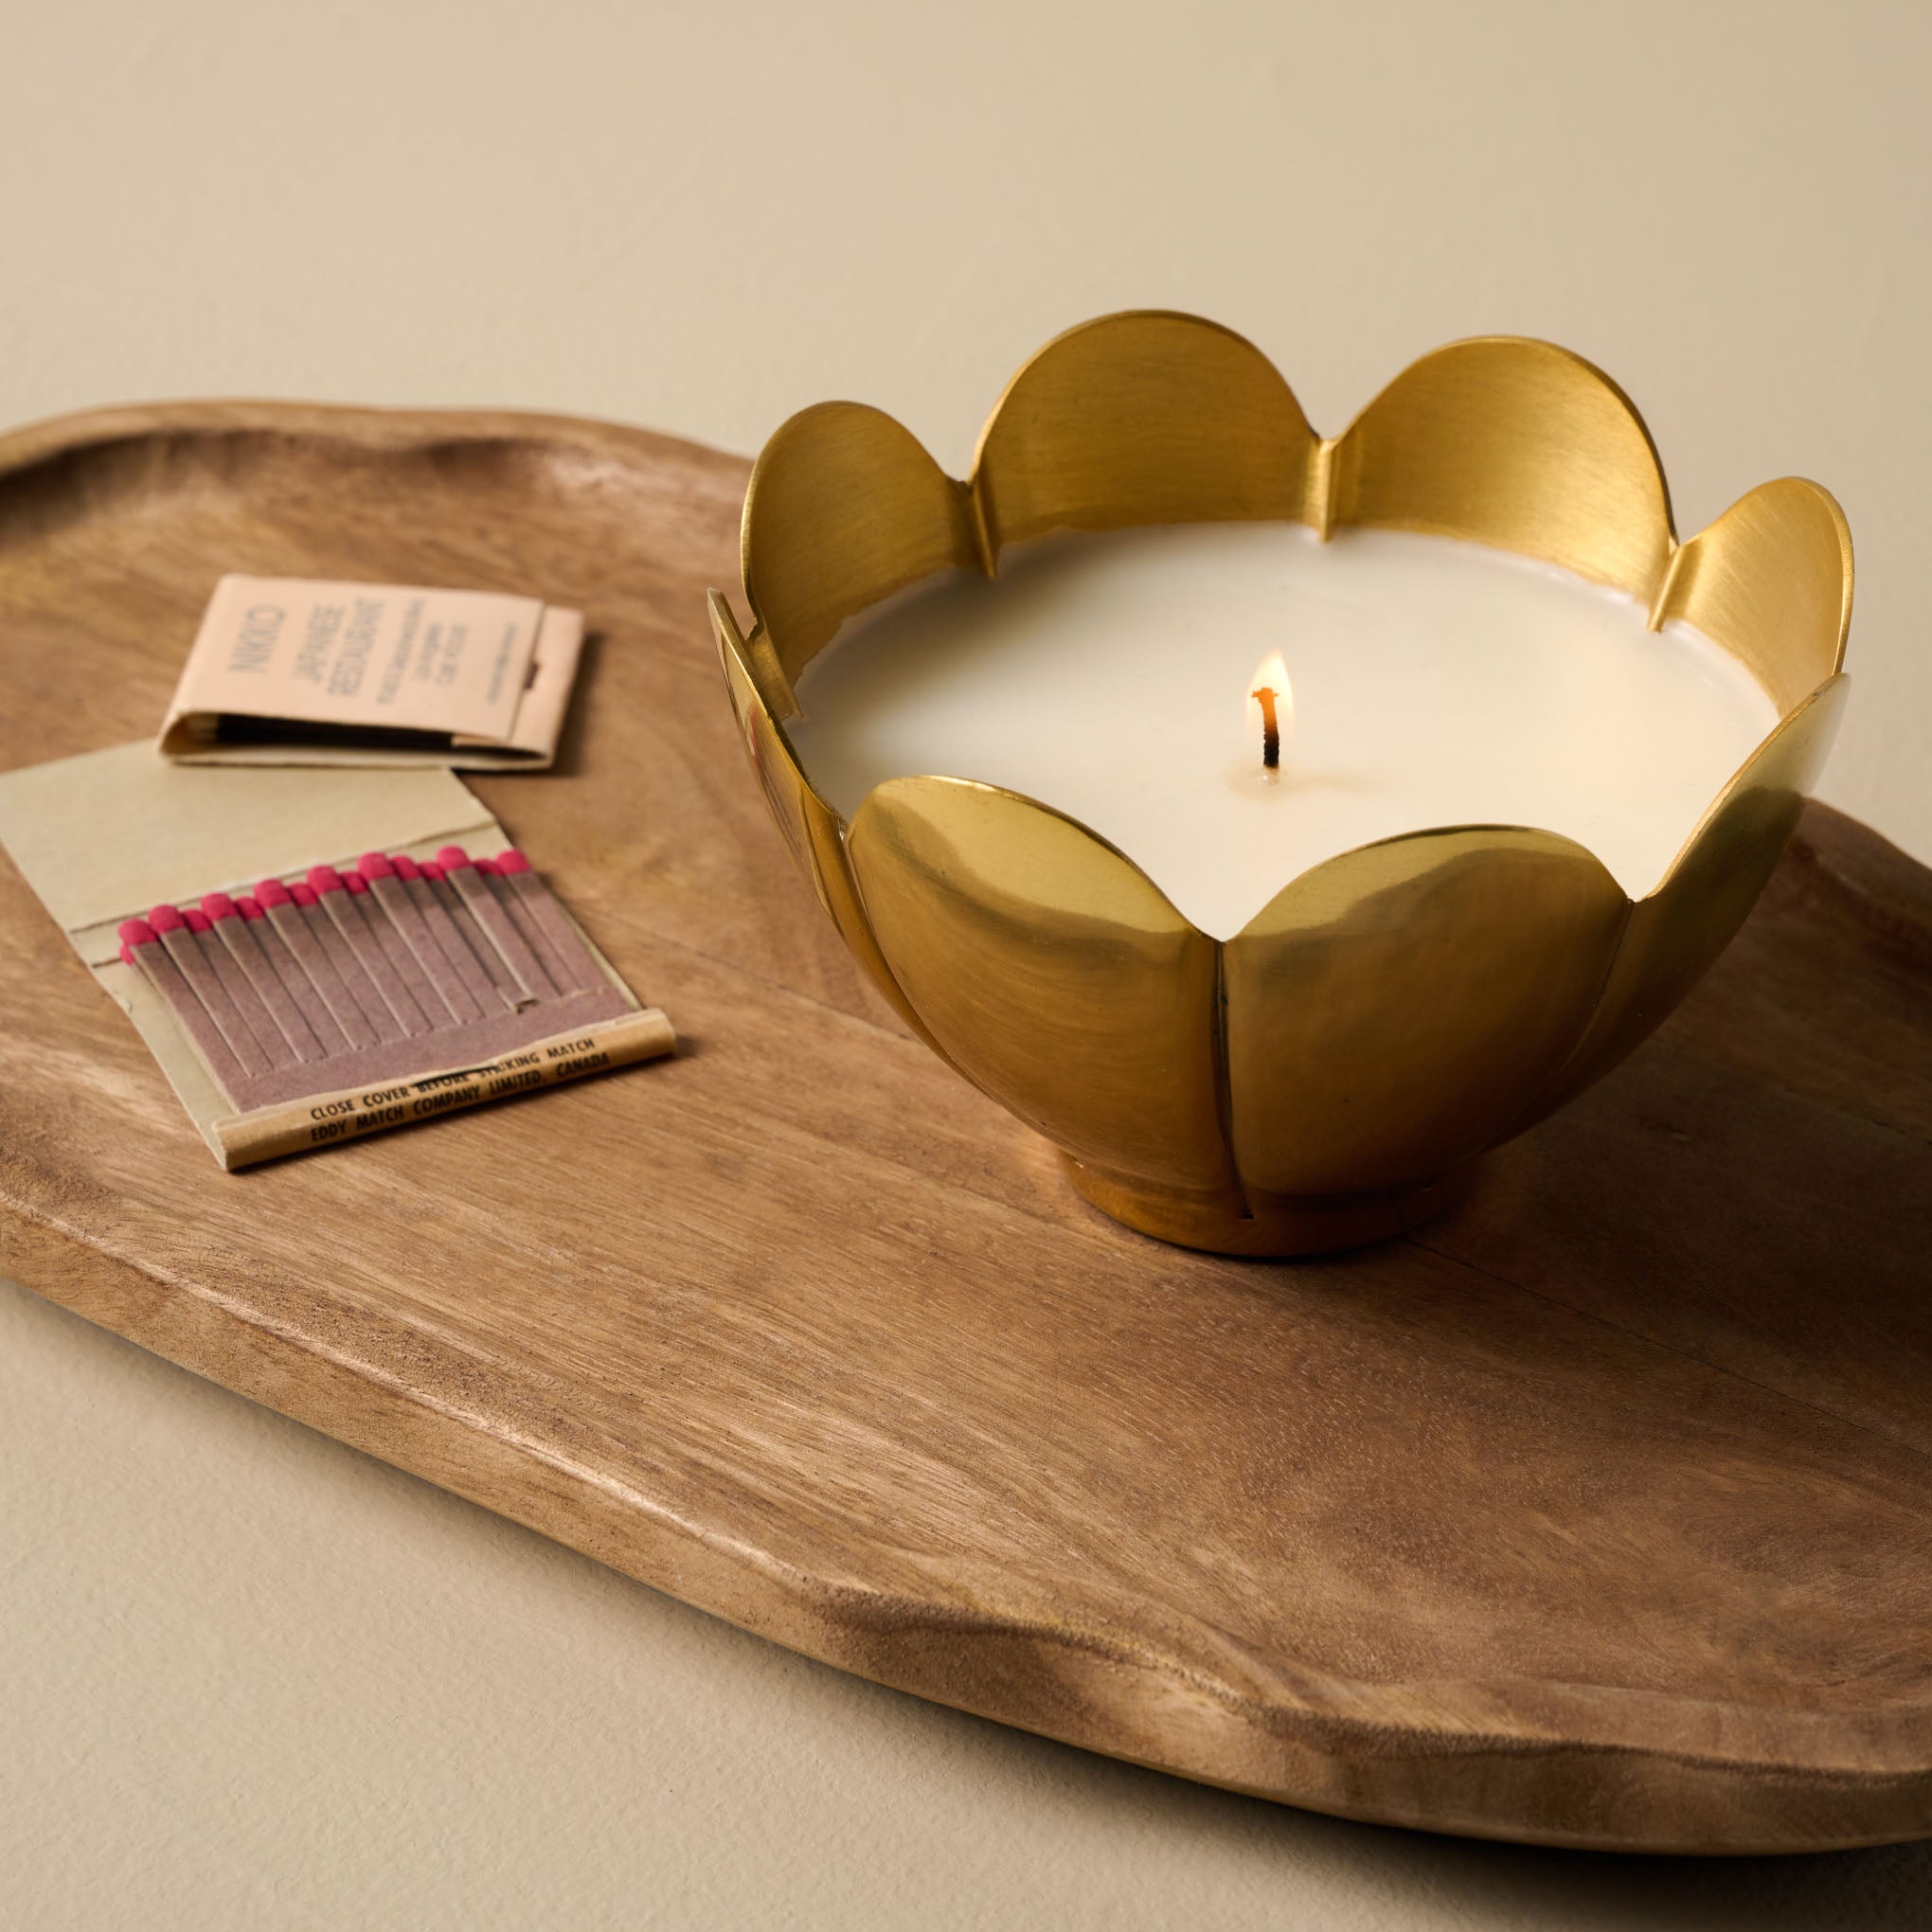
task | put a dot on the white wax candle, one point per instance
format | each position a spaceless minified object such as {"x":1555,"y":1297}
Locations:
{"x":1434,"y":683}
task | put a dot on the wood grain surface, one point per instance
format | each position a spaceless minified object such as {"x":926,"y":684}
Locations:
{"x":1597,"y":1513}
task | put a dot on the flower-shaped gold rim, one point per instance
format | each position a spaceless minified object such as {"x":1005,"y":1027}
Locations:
{"x":1392,"y":1011}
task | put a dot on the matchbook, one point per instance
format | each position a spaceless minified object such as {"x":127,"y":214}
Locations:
{"x":324,"y":955}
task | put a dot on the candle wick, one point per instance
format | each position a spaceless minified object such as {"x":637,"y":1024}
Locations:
{"x":1271,"y":733}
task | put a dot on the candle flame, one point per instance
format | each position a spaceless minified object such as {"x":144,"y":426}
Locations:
{"x":1271,"y":674}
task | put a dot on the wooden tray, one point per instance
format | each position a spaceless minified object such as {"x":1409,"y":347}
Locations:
{"x":1600,"y":1513}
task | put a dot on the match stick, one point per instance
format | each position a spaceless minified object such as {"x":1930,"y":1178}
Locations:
{"x":564,"y":953}
{"x":382,"y":956}
{"x":392,"y":894}
{"x":245,"y":949}
{"x":349,"y":962}
{"x":451,"y":935}
{"x":141,"y":948}
{"x":414,"y":972}
{"x":197,"y":967}
{"x":306,"y":939}
{"x":499,"y":890}
{"x":465,"y":922}
{"x":532,"y":982}
{"x":299,"y":987}
{"x":235,"y":983}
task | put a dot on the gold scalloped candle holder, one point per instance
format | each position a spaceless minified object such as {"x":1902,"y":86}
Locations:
{"x":1331,"y":1074}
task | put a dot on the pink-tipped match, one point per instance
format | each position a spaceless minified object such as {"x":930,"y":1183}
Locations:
{"x":137,"y":932}
{"x":451,"y":856}
{"x":374,"y":866}
{"x":488,"y":867}
{"x":325,"y":878}
{"x":273,"y":892}
{"x":304,"y":896}
{"x":127,"y":955}
{"x":219,"y":905}
{"x":198,"y":922}
{"x":407,"y":868}
{"x":166,"y":919}
{"x":510,"y":860}
{"x":355,"y":883}
{"x":432,"y":871}
{"x":249,"y":908}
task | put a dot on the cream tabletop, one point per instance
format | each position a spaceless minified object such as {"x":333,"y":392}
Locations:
{"x":256,"y":1680}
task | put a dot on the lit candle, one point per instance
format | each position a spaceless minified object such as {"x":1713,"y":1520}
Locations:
{"x":1414,"y":681}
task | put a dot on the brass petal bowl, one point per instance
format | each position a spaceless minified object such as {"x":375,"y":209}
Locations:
{"x":1329,"y":1075}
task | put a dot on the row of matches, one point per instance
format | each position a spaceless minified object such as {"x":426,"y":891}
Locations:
{"x":391,"y":968}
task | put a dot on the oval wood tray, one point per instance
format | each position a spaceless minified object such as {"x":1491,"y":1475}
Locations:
{"x":1599,"y":1514}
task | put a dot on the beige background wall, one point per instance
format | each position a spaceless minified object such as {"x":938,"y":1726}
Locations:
{"x":254,"y":1679}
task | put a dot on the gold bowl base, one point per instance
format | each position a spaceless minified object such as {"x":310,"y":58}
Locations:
{"x":1314,"y":1225}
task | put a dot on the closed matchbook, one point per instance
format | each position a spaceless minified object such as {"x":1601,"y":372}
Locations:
{"x":313,"y":956}
{"x":314,"y":671}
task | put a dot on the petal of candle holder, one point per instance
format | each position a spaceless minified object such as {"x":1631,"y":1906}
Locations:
{"x":845,"y":507}
{"x":1675,"y":934}
{"x":1391,"y":1011}
{"x":1515,"y":443}
{"x":812,"y":831}
{"x":1771,"y":582}
{"x":1142,"y":418}
{"x":1055,"y":974}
